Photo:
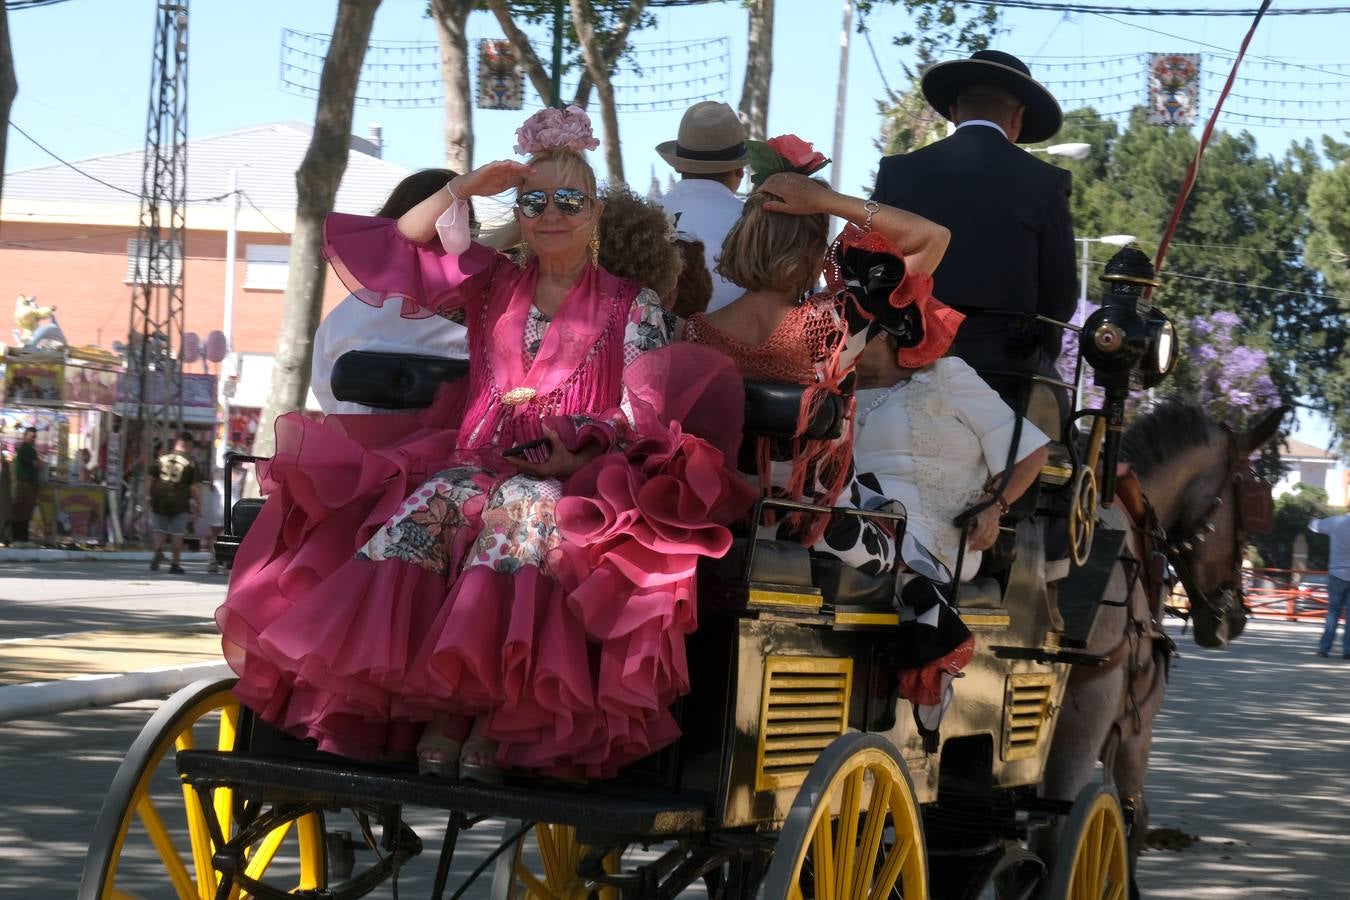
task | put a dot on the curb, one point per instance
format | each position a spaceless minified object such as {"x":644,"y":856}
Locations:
{"x":45,"y":698}
{"x":43,"y":554}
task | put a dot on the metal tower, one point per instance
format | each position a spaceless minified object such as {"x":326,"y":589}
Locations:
{"x":155,"y":337}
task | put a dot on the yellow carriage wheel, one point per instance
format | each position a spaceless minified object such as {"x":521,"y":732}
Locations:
{"x":543,"y":866}
{"x":1092,"y":863}
{"x":151,"y":838}
{"x":854,"y":831}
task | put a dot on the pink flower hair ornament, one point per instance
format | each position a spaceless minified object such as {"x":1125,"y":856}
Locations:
{"x":785,"y":153}
{"x":551,"y":129}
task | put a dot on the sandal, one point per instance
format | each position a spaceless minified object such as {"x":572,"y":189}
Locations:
{"x":438,"y":755}
{"x":478,"y":759}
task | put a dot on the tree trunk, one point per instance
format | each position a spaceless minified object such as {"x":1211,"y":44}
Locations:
{"x":758,"y":69}
{"x":600,"y":62}
{"x":520,"y":42}
{"x":613,"y":49}
{"x":452,"y":17}
{"x":316,"y":183}
{"x":9,"y":88}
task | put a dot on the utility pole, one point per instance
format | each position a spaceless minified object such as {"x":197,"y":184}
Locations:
{"x":154,"y":408}
{"x":841,"y":98}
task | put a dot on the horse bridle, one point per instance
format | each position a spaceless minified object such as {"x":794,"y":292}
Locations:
{"x":1252,"y":495}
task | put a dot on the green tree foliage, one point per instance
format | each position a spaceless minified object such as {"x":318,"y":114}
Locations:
{"x":1293,"y":512}
{"x":1329,"y":252}
{"x":1241,"y":245}
{"x":942,"y":29}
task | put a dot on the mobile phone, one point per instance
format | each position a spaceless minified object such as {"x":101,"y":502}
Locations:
{"x":519,"y":449}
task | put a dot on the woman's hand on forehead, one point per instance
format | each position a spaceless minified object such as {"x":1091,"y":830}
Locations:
{"x":492,"y":178}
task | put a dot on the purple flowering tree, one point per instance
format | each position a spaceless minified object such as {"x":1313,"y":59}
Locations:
{"x":1230,"y":380}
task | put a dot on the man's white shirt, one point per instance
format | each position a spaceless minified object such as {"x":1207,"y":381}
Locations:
{"x":707,"y":210}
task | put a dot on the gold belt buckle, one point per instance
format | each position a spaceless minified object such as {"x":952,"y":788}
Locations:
{"x":518,"y":395}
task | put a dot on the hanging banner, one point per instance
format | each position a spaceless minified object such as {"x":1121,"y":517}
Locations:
{"x":501,"y":81}
{"x":1173,"y":88}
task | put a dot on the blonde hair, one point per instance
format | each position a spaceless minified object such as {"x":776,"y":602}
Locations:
{"x":571,"y":165}
{"x":634,"y":241}
{"x":772,"y":251}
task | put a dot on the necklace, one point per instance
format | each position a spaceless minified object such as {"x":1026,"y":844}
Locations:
{"x":878,"y":400}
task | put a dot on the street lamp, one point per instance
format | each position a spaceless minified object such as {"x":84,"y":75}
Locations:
{"x":1073,"y":150}
{"x":1115,"y":240}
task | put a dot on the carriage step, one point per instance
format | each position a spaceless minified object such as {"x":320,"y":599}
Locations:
{"x":599,"y":806}
{"x":1043,"y":655}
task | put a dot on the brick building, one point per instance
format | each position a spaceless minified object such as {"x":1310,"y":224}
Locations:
{"x":71,"y":239}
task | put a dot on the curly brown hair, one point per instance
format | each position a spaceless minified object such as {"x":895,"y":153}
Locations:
{"x":695,"y":288}
{"x":634,"y":242}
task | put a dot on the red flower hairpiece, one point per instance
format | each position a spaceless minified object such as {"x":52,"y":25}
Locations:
{"x":785,"y":153}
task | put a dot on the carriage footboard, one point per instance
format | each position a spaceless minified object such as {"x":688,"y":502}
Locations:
{"x":594,"y":808}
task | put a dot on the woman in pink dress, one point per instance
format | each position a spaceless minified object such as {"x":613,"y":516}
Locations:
{"x":531,"y":604}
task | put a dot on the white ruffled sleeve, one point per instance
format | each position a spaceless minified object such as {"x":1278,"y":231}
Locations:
{"x":983,"y":411}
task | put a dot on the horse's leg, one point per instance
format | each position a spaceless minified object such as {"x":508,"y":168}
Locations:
{"x":1131,"y":768}
{"x":1081,"y":726}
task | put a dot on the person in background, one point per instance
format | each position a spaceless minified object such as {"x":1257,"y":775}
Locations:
{"x":27,"y":477}
{"x":175,"y":493}
{"x":1337,"y":528}
{"x":711,"y":155}
{"x":355,"y":325}
{"x":215,"y":516}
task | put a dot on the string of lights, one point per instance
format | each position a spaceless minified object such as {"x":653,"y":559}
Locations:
{"x":1155,"y":11}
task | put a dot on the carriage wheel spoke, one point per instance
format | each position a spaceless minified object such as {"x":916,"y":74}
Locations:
{"x":877,"y":812}
{"x":844,"y":853}
{"x":548,"y":839}
{"x":533,"y":886}
{"x":1117,"y":891}
{"x":116,"y":894}
{"x":313,"y":868}
{"x":890,"y":872}
{"x":267,"y":851}
{"x":822,"y":852}
{"x":168,"y":854}
{"x":199,"y":837}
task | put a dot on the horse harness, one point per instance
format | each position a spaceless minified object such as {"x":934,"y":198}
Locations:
{"x":1145,"y":682}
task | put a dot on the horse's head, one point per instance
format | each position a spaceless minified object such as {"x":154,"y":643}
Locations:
{"x":1198,"y":476}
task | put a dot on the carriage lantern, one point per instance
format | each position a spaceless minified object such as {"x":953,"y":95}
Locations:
{"x":1125,"y":338}
{"x":1120,"y":337}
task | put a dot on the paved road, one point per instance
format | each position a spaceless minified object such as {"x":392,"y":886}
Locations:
{"x":1252,"y":752}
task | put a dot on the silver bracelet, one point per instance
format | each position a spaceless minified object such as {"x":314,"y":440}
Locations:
{"x":872,"y":207}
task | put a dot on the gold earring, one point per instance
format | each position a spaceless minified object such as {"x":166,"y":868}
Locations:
{"x":595,"y":247}
{"x":523,"y":255}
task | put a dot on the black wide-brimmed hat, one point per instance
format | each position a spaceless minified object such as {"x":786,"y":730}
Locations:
{"x":943,"y":81}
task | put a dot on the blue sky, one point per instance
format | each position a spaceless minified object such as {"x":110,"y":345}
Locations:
{"x":84,"y":65}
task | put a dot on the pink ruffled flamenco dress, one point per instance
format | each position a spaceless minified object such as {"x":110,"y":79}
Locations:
{"x":402,"y":568}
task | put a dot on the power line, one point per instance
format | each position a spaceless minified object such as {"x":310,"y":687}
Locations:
{"x":249,"y":201}
{"x":1175,"y":11}
{"x":16,"y":5}
{"x":1199,"y":43}
{"x":106,"y":184}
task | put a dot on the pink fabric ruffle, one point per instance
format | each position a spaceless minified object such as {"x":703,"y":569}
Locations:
{"x":573,"y":668}
{"x":375,"y":262}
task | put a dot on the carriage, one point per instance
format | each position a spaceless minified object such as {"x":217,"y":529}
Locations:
{"x":798,"y":773}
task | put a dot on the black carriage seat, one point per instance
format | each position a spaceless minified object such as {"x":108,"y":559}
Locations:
{"x":392,"y":380}
{"x":372,"y":378}
{"x":771,"y":411}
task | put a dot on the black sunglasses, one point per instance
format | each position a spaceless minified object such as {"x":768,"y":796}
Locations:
{"x":570,"y":202}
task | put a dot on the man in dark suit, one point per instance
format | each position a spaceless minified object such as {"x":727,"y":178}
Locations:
{"x":1012,"y":245}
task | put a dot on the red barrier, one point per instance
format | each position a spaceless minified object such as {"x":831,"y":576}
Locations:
{"x":1290,"y":595}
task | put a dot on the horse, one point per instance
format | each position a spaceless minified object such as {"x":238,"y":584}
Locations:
{"x":1192,"y":487}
